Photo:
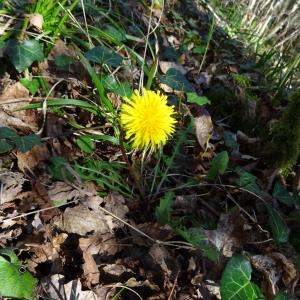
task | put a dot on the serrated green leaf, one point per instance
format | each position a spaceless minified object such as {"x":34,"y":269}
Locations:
{"x":86,"y":144}
{"x":279,"y":229}
{"x":246,"y":180}
{"x":236,"y":280}
{"x":22,"y":55}
{"x":26,"y":142}
{"x":121,"y":89}
{"x":15,"y":282}
{"x":5,"y":146}
{"x":163,"y":211}
{"x":282,"y":296}
{"x":176,"y":80}
{"x":282,"y":195}
{"x":218,"y":165}
{"x":199,"y":100}
{"x":103,"y":55}
{"x":32,"y":86}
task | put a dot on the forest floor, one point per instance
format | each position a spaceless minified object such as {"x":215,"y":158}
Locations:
{"x":205,"y":216}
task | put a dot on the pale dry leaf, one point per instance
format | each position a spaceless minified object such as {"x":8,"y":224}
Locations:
{"x":132,"y":283}
{"x":36,"y":20}
{"x":230,"y":233}
{"x":32,"y":158}
{"x":56,"y":289}
{"x":115,"y":269}
{"x":61,"y":191}
{"x":166,"y":65}
{"x":11,"y":185}
{"x":213,"y":288}
{"x":81,"y":220}
{"x":104,"y":244}
{"x":267,"y":265}
{"x":289,"y":273}
{"x":204,"y":129}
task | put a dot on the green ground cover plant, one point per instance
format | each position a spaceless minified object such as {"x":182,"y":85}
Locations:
{"x":170,"y":136}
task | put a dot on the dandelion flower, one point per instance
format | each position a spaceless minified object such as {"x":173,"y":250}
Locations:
{"x":147,"y":119}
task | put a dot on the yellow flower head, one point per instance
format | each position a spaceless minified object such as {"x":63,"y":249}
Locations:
{"x":147,"y":119}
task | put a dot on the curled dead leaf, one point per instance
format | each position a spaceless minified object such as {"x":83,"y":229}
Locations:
{"x":204,"y":128}
{"x":36,"y":20}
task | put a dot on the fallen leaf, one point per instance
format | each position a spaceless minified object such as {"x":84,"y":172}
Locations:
{"x":11,"y":185}
{"x":229,"y":234}
{"x":32,"y":158}
{"x":166,"y":65}
{"x":24,"y":120}
{"x":36,"y":20}
{"x":267,"y":265}
{"x":57,"y":289}
{"x":204,"y":128}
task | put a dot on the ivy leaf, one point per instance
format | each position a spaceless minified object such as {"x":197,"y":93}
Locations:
{"x":115,"y":34}
{"x":22,"y":55}
{"x":236,"y":280}
{"x":15,"y":281}
{"x":280,"y":230}
{"x":86,"y":144}
{"x":5,"y":146}
{"x":121,"y":89}
{"x":176,"y":80}
{"x":7,"y":133}
{"x":26,"y":142}
{"x":282,"y":195}
{"x":163,"y":211}
{"x":218,"y":165}
{"x":199,"y":100}
{"x":247,"y":181}
{"x":103,"y":55}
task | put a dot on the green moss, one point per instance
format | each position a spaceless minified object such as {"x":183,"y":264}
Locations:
{"x":283,"y":149}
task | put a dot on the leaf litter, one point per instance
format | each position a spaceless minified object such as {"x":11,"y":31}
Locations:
{"x":83,"y":241}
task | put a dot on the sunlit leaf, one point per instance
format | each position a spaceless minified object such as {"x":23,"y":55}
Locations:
{"x":16,"y":282}
{"x":236,"y":280}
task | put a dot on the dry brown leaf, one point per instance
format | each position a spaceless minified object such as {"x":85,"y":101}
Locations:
{"x":204,"y":128}
{"x":24,"y":120}
{"x":56,"y":289}
{"x":36,"y":20}
{"x":32,"y":158}
{"x":81,"y":220}
{"x":12,"y":183}
{"x":41,"y":253}
{"x":44,"y":201}
{"x":229,"y":234}
{"x":267,"y":265}
{"x":289,"y":272}
{"x":90,"y":268}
